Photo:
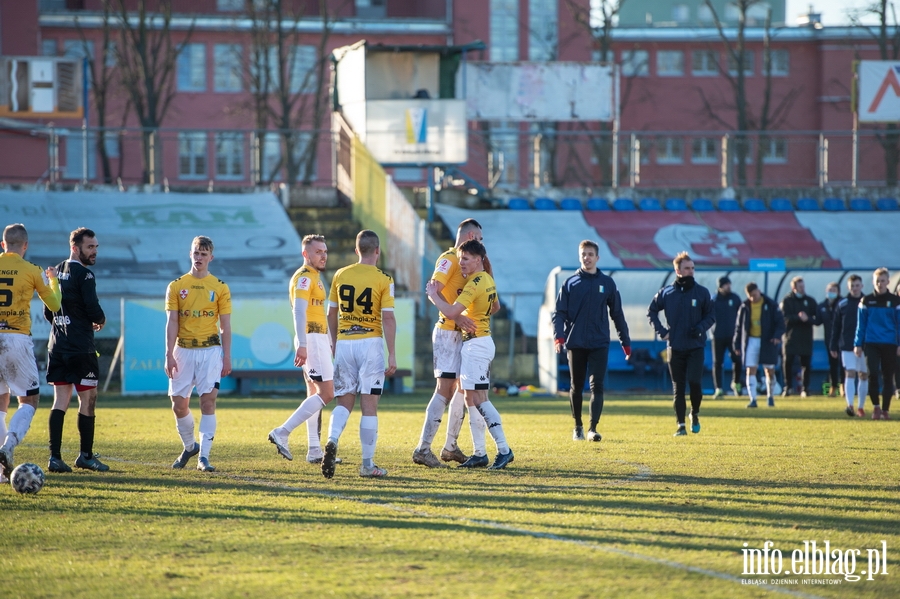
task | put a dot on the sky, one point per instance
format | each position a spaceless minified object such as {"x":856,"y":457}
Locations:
{"x":834,"y":12}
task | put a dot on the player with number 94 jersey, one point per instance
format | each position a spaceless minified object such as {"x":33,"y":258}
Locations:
{"x":361,"y":292}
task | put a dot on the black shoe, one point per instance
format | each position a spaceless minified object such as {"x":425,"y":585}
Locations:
{"x":90,"y":462}
{"x":203,"y":465}
{"x":593,"y":435}
{"x":502,"y":460}
{"x":475,"y":461}
{"x":187,"y":454}
{"x":58,"y":465}
{"x":578,"y":434}
{"x":329,"y":459}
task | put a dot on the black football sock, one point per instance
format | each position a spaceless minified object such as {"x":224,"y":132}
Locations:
{"x":86,"y":428}
{"x":57,"y":417}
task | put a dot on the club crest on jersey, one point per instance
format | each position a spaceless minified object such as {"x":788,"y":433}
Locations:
{"x":601,"y":288}
{"x":212,"y":296}
{"x":183,"y":293}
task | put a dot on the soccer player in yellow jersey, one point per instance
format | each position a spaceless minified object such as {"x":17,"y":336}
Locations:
{"x":478,"y":301}
{"x":198,"y":353}
{"x":446,"y":340}
{"x":314,"y":352}
{"x":18,"y":370}
{"x":360,"y":312}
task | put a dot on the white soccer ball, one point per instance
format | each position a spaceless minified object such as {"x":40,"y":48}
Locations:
{"x":27,"y":478}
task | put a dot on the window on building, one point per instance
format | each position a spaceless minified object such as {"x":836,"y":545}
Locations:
{"x":705,"y":14}
{"x":76,"y":49}
{"x":273,"y":167}
{"x":775,"y":151}
{"x":704,"y":63}
{"x":303,"y":69}
{"x":543,"y":29}
{"x":371,"y":9}
{"x":669,"y":150}
{"x":229,"y":155}
{"x":191,"y":68}
{"x":757,"y":13}
{"x":48,"y":47}
{"x":704,"y":150}
{"x":111,"y":143}
{"x":635,"y":63}
{"x":748,"y":63}
{"x":669,"y":63}
{"x":748,"y":150}
{"x":74,"y":168}
{"x":781,"y":62}
{"x":227,"y":69}
{"x":681,"y":13}
{"x":503,"y":160}
{"x":110,"y":57}
{"x":732,"y":12}
{"x":645,"y":146}
{"x":192,"y":155}
{"x":504,"y":30}
{"x":229,"y":5}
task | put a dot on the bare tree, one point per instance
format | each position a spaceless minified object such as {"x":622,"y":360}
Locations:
{"x":887,"y":35}
{"x":288,"y":83}
{"x":147,"y":58}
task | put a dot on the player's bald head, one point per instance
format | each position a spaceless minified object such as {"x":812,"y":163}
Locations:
{"x":15,"y":236}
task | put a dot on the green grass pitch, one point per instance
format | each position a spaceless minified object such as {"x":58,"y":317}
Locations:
{"x":640,"y":514}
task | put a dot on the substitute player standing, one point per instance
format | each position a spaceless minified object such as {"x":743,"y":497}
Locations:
{"x":478,"y":301}
{"x":360,"y":311}
{"x":72,"y":363}
{"x":198,"y":354}
{"x":446,"y":341}
{"x":313,"y":353}
{"x":18,"y":369}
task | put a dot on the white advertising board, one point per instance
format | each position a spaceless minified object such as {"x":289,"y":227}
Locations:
{"x":404,"y":132}
{"x":879,"y":91}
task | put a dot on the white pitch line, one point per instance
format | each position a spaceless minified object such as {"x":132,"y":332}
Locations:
{"x":643,"y":474}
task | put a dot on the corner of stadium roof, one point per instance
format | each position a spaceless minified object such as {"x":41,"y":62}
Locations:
{"x":339,"y":53}
{"x":710,"y":34}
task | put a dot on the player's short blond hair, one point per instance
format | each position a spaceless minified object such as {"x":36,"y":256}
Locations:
{"x":15,"y":236}
{"x":680,"y":258}
{"x":881,"y":271}
{"x":202,"y":242}
{"x":311,"y":238}
{"x":367,"y":242}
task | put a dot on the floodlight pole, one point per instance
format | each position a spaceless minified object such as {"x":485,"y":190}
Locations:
{"x":615,"y":129}
{"x":85,"y":109}
{"x":854,"y":158}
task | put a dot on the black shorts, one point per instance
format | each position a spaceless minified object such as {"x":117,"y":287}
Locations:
{"x":81,"y":370}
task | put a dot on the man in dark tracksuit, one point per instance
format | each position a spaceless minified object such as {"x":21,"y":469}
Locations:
{"x":584,"y":305}
{"x":826,"y":311}
{"x":878,"y":334}
{"x":726,"y":304}
{"x":757,"y":335}
{"x":800,"y":316}
{"x":689,"y":314}
{"x":840,"y":345}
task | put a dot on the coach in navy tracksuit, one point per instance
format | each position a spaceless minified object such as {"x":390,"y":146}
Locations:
{"x":726,"y":304}
{"x":689,"y":314}
{"x":584,"y":305}
{"x":878,"y":334}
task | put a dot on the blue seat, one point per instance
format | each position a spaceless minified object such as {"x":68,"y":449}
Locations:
{"x":518,"y":204}
{"x":781,"y":205}
{"x":860,"y":204}
{"x":677,"y":204}
{"x":650,"y":204}
{"x":727,"y":205}
{"x":596,"y":204}
{"x":544,"y":204}
{"x":623,"y":204}
{"x":834,"y":205}
{"x":702,"y":205}
{"x":570,"y":204}
{"x":807,"y":204}
{"x":887,"y":204}
{"x":754,"y":205}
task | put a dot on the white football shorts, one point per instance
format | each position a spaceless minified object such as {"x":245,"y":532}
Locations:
{"x":447,"y":347}
{"x":18,"y":368}
{"x":853,"y":362}
{"x":751,"y":360}
{"x":475,"y":365}
{"x":200,"y":368}
{"x":319,"y":365}
{"x":359,"y":366}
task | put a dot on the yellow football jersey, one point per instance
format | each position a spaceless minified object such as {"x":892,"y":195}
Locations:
{"x":306,"y":284}
{"x":199,"y":303}
{"x":361,"y":292}
{"x":478,"y":296}
{"x":19,"y":279}
{"x":446,"y":271}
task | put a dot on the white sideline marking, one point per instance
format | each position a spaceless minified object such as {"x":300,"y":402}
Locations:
{"x":644,"y":473}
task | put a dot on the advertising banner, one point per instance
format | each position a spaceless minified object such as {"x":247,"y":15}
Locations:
{"x":416,"y":131}
{"x":879,"y":91}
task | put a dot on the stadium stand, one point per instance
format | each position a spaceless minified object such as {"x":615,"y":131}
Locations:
{"x":729,"y":205}
{"x":676,"y":204}
{"x":807,"y":204}
{"x":544,"y":204}
{"x":649,"y":204}
{"x":623,"y":204}
{"x":834,"y":205}
{"x":702,"y":205}
{"x":596,"y":204}
{"x":754,"y":205}
{"x":570,"y":204}
{"x":518,"y":204}
{"x":781,"y":205}
{"x":860,"y":204}
{"x":887,"y":204}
